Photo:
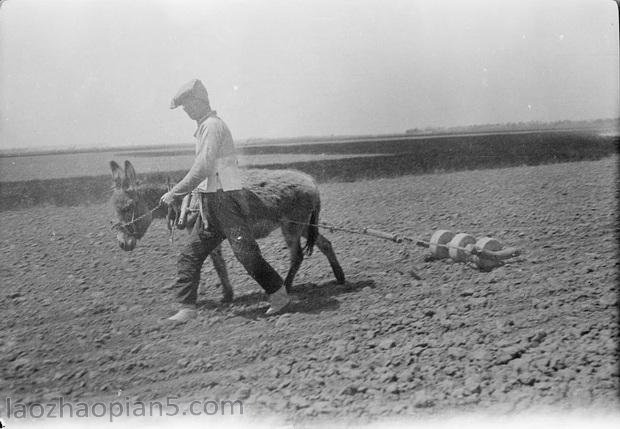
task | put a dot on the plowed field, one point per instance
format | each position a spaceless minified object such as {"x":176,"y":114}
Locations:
{"x":404,"y":336}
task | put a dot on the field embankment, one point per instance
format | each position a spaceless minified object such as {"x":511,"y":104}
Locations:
{"x":390,"y":159}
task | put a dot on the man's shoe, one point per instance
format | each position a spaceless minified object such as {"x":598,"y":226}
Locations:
{"x":183,"y":315}
{"x":278,"y":300}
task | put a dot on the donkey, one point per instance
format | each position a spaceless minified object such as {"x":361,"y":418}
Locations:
{"x":290,"y":201}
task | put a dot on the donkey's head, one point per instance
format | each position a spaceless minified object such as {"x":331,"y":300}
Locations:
{"x":131,"y":209}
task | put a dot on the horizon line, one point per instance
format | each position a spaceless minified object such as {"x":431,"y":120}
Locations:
{"x":260,"y":141}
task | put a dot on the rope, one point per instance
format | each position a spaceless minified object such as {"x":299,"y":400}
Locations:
{"x":121,"y":225}
{"x":472,"y":250}
{"x":395,"y":237}
{"x":365,"y":231}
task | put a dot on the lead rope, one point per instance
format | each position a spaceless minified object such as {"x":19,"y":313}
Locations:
{"x":121,"y":225}
{"x":171,"y":223}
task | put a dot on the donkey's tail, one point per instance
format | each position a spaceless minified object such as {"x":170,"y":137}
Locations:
{"x":313,"y":230}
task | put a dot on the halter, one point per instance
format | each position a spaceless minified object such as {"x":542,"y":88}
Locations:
{"x":127,"y":227}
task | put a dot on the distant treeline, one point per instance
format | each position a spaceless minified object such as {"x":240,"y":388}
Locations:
{"x":395,"y":158}
{"x":594,"y":124}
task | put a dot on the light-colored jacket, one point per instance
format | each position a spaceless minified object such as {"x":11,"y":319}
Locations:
{"x":215,"y":166}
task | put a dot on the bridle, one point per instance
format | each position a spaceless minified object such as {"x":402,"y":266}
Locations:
{"x":172,"y":218}
{"x":128,"y":227}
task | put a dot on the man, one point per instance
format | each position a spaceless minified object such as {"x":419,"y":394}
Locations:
{"x":224,"y":207}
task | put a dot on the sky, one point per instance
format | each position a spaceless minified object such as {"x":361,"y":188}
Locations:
{"x":95,"y":73}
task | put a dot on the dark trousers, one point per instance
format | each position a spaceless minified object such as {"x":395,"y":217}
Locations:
{"x":227,"y":214}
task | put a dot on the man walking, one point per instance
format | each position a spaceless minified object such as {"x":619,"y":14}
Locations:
{"x":224,"y":207}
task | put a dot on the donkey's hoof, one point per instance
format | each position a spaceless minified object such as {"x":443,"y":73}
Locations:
{"x":340,"y":277}
{"x":227,"y":298}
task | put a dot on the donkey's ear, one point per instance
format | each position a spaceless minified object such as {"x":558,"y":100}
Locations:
{"x":117,"y":174}
{"x":130,"y":174}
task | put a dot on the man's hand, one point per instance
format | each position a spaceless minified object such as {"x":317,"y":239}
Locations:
{"x":167,"y":198}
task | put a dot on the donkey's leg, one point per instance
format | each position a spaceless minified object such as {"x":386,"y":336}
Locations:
{"x":325,"y":246}
{"x":220,"y":268}
{"x":291,"y":234}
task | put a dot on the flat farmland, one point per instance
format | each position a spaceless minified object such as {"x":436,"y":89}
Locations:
{"x":72,"y":165}
{"x":67,"y":164}
{"x":404,"y":337}
{"x":69,"y":179}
